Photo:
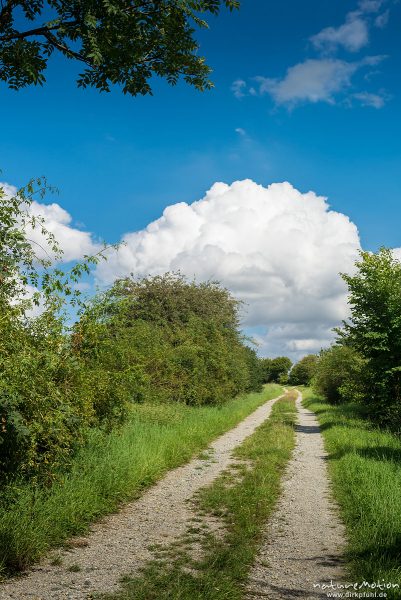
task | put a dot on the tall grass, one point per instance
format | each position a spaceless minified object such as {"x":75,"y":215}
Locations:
{"x":365,"y":466}
{"x":111,"y":469}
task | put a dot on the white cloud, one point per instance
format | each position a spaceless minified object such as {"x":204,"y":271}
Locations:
{"x":370,"y":6}
{"x":382,"y":20}
{"x":324,"y":78}
{"x":74,"y":242}
{"x":368,"y":99}
{"x":238,"y":88}
{"x":275,"y":248}
{"x":352,"y":35}
{"x":315,"y":80}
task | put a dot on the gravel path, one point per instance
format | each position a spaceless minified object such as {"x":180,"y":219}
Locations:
{"x":305,"y":538}
{"x":119,"y":544}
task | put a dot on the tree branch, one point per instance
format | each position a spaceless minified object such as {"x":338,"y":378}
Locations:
{"x":43,"y":30}
{"x":65,"y":49}
{"x":6,"y":12}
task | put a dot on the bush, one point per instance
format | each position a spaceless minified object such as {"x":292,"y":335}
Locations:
{"x":339,"y":375}
{"x":180,"y":338}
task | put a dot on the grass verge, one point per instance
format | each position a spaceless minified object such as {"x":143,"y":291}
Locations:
{"x":241,"y":500}
{"x":365,"y":468}
{"x":111,"y":469}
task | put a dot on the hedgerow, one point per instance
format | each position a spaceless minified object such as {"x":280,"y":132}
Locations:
{"x":158,"y":339}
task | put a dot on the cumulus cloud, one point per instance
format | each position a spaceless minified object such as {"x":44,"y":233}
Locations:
{"x":277,"y":249}
{"x":74,"y":242}
{"x":314,"y":80}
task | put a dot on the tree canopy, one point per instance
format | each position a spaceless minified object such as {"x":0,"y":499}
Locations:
{"x":374,"y":330}
{"x":303,"y":371}
{"x":118,"y":42}
{"x":275,"y":369}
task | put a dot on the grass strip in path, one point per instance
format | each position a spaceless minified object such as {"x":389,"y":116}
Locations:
{"x":365,"y":468}
{"x":239,"y":502}
{"x":113,"y":468}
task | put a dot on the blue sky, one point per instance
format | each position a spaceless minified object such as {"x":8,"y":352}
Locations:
{"x":119,"y":161}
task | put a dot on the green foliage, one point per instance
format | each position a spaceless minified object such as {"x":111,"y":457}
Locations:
{"x":374,"y":331}
{"x":303,"y":371}
{"x":255,"y":370}
{"x":173,"y":340}
{"x":276,"y":369}
{"x":339,"y":374}
{"x":119,"y":42}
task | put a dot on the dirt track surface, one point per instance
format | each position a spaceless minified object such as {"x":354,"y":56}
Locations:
{"x":304,"y":540}
{"x":119,"y":544}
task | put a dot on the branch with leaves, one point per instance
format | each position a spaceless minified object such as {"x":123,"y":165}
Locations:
{"x":121,"y":42}
{"x":20,"y":265}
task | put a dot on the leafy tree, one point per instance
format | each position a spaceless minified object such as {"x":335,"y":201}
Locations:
{"x":124,"y":42}
{"x":339,"y":374}
{"x":255,"y":370}
{"x":278,"y":369}
{"x":374,"y":331}
{"x":303,"y":371}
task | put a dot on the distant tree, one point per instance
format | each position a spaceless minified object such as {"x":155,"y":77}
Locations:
{"x":278,"y":369}
{"x":124,"y":42}
{"x":255,"y":370}
{"x":265,"y":369}
{"x":304,"y":370}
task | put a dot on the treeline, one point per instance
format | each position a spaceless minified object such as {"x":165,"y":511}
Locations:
{"x":281,"y":370}
{"x":161,"y":339}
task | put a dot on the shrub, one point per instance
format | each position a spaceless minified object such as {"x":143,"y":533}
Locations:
{"x":339,"y":374}
{"x":179,"y":338}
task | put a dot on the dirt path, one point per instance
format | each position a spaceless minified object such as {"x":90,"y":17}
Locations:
{"x":119,"y":544}
{"x":305,"y":538}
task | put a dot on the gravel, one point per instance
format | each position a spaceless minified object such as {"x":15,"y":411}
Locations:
{"x":305,"y":539}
